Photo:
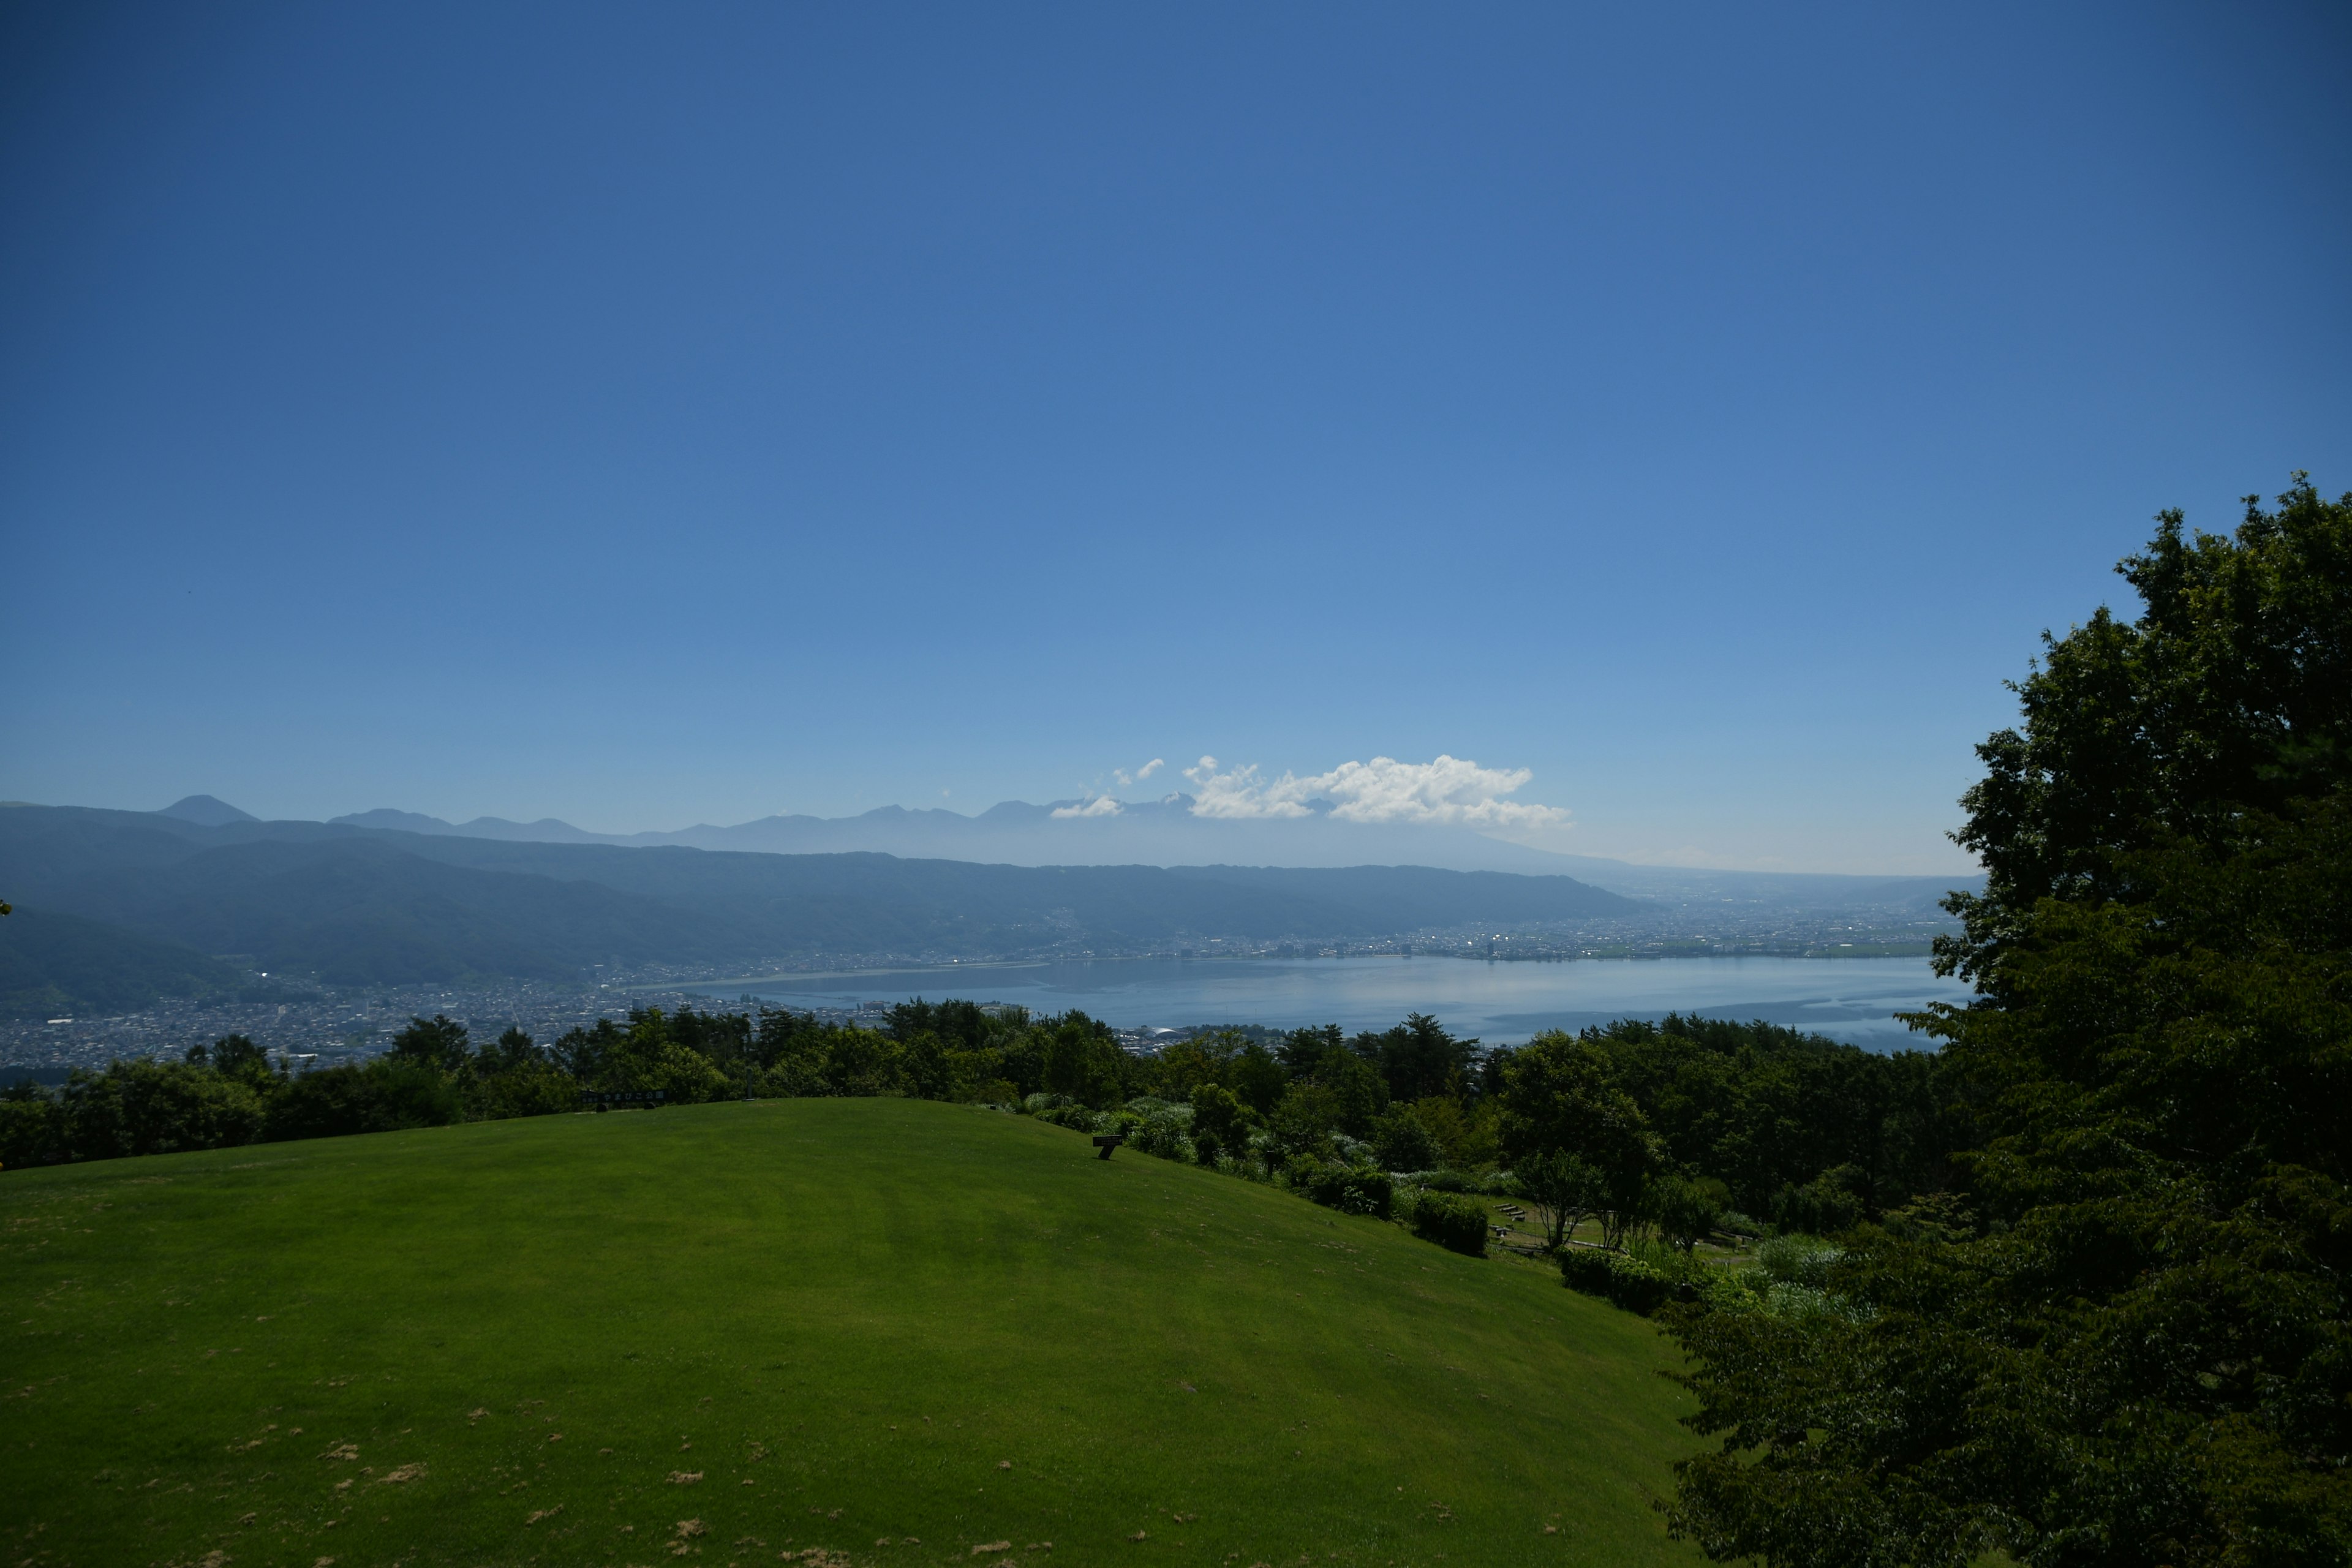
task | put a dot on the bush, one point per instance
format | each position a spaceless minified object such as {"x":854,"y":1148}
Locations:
{"x":535,"y":1089}
{"x":32,"y":1131}
{"x":1685,"y":1211}
{"x":1799,"y":1260}
{"x":1731,"y":1290}
{"x":1787,"y":1282}
{"x":1160,"y":1129}
{"x":1351,"y":1189}
{"x":1456,"y":1223}
{"x":1783,"y":1300}
{"x":1825,"y":1205}
{"x":1621,"y":1281}
{"x":1400,"y":1142}
{"x":1218,"y":1116}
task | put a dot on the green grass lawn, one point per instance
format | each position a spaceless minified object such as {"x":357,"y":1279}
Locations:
{"x":784,"y":1327}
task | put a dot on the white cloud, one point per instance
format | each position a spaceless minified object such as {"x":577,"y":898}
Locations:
{"x":1239,"y":794}
{"x":1101,"y":806}
{"x":1448,"y":790}
{"x":1139,"y":775}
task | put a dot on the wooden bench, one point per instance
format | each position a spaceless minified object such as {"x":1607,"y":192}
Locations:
{"x":1107,"y":1142}
{"x":599,"y":1099}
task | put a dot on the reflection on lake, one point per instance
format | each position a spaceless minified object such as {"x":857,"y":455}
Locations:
{"x":1851,"y":999}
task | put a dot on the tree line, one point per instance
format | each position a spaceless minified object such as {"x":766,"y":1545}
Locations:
{"x":1801,"y":1130}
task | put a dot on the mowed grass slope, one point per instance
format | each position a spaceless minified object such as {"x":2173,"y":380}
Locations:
{"x":852,"y":1320}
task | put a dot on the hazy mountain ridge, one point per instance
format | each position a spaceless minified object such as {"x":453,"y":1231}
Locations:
{"x":353,"y":905}
{"x":1165,"y":833}
{"x":162,"y":896}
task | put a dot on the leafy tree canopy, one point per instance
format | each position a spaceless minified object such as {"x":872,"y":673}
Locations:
{"x":2124,"y":1337}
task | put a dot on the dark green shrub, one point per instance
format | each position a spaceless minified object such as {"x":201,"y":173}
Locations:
{"x":1456,"y":1223}
{"x":1686,"y":1211}
{"x":1731,"y":1290}
{"x":1160,"y":1129}
{"x":535,"y":1089}
{"x":1800,"y":1260}
{"x":1587,"y":1268}
{"x":1626,"y":1282}
{"x":1368,"y":1193}
{"x":1826,"y":1206}
{"x":1401,"y":1143}
{"x":1351,"y":1189}
{"x":32,"y":1130}
{"x":1219,"y":1116}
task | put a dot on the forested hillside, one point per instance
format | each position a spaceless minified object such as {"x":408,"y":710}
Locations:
{"x":52,"y":962}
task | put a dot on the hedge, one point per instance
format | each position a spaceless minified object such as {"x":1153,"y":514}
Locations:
{"x":1627,"y":1282}
{"x":1351,"y":1189}
{"x":1455,"y":1223}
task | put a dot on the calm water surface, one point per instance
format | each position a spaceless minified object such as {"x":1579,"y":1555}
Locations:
{"x":1851,"y":999}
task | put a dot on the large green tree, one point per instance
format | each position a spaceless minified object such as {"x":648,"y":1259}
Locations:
{"x":1559,"y":1097}
{"x":1419,"y":1059}
{"x":439,"y":1042}
{"x":2122,"y":1338}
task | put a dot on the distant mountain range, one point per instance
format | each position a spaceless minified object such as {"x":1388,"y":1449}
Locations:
{"x":1166,"y":833}
{"x":1148,"y":833}
{"x":351,"y":904}
{"x":118,"y":908}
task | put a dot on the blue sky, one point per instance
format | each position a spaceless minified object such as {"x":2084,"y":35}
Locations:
{"x":652,"y":414}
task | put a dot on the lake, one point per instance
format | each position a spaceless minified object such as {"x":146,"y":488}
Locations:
{"x":1500,"y":1003}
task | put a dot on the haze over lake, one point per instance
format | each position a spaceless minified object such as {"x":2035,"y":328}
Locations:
{"x":1500,"y":1003}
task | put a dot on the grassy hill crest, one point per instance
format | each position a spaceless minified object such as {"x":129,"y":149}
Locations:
{"x":794,"y":1327}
